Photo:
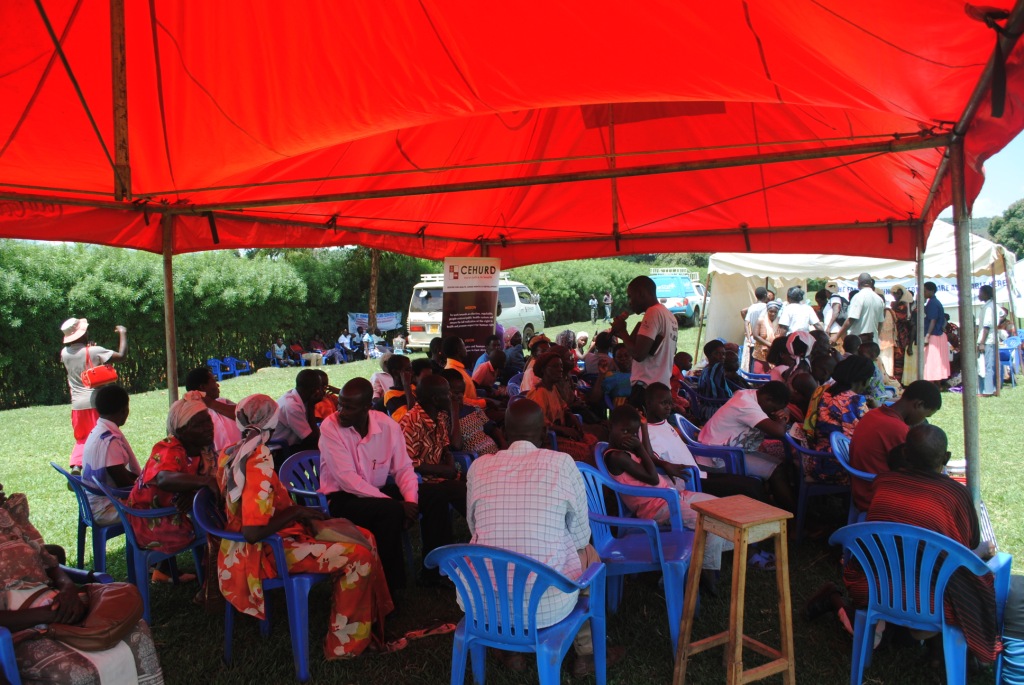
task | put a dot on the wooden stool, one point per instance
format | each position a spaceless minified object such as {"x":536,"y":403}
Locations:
{"x":744,"y":521}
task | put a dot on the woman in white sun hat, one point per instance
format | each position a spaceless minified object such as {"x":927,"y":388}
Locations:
{"x":73,"y":356}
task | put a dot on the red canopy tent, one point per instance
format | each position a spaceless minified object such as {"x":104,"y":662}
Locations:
{"x":526,"y":131}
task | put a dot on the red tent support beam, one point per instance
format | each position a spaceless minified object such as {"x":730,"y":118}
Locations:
{"x":119,"y":81}
{"x":881,"y":147}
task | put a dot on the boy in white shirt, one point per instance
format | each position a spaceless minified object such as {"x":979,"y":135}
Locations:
{"x":108,"y":457}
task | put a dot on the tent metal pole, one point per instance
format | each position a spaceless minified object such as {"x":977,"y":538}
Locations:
{"x":1009,"y":286}
{"x":919,"y":314}
{"x":882,"y":147}
{"x":995,"y":330}
{"x":167,"y":225}
{"x":968,"y":334}
{"x":119,"y":83}
{"x":703,"y":313}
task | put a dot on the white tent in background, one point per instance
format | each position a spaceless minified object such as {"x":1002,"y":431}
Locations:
{"x":735,"y":275}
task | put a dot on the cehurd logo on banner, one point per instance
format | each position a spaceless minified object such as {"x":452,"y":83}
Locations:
{"x":454,"y":272}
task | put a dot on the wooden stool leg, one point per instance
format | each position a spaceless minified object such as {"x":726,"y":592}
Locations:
{"x":690,"y":602}
{"x":734,"y":650}
{"x":785,"y":605}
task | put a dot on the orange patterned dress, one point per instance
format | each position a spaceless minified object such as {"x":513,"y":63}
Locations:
{"x":360,"y":598}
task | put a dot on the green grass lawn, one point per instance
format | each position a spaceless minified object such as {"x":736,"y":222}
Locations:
{"x":190,"y":641}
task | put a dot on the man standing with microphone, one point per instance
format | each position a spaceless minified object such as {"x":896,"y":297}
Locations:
{"x":652,"y":342}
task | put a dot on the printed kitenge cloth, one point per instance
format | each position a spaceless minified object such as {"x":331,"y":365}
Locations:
{"x":360,"y":597}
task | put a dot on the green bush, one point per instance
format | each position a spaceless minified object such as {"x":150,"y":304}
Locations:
{"x":225,"y":304}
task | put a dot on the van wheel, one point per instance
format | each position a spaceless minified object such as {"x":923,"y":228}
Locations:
{"x":527,"y":333}
{"x":696,"y":315}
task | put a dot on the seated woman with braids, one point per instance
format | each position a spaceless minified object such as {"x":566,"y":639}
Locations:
{"x":258,"y":505}
{"x":839,"y":408}
{"x":557,"y":415}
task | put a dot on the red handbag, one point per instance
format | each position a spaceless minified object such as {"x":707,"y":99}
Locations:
{"x":96,"y":376}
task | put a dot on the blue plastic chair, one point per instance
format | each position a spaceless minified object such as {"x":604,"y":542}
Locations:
{"x":841,"y":451}
{"x":797,"y":453}
{"x":237,"y":366}
{"x":755,"y":379}
{"x":653,"y":549}
{"x":711,"y":458}
{"x":219,"y":368}
{"x":8,"y":662}
{"x":272,"y":358}
{"x":500,"y":592}
{"x":909,"y":559}
{"x":1006,"y":359}
{"x":691,"y":475}
{"x":300,"y":474}
{"x":1013,"y":343}
{"x":514,"y":384}
{"x":139,"y":558}
{"x":100,"y":534}
{"x":210,"y":519}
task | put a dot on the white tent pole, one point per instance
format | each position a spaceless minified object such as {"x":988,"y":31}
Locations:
{"x":968,"y":335}
{"x":995,"y":330}
{"x":167,"y":223}
{"x":919,"y":314}
{"x":1009,"y":286}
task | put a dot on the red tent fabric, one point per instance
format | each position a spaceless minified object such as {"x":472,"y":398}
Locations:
{"x":427,"y":128}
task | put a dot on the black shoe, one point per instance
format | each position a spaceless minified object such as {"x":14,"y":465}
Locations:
{"x":820,"y":602}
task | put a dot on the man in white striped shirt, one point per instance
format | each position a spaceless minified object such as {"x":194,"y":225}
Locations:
{"x":532,"y":501}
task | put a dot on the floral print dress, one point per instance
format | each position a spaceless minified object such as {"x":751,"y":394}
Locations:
{"x":360,"y":597}
{"x":173,"y":533}
{"x":838,"y":412}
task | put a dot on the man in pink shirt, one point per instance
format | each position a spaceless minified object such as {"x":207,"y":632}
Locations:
{"x":359,"y":449}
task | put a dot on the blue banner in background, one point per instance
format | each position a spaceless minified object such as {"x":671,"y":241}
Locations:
{"x":386,"y":321}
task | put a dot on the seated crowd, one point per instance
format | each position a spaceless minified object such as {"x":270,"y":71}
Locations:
{"x":494,"y":437}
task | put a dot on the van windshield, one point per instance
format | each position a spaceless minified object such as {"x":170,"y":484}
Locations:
{"x":673,"y":286}
{"x":426,"y":300}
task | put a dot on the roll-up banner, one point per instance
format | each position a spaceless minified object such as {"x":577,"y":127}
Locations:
{"x":470,"y":301}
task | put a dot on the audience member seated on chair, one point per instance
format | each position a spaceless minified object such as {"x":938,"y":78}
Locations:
{"x":802,"y":387}
{"x":630,"y":461}
{"x":883,"y":429}
{"x":612,"y":386}
{"x":399,"y":342}
{"x":711,"y":382}
{"x":671,"y":453}
{"x":435,"y":354}
{"x":347,"y":346}
{"x":108,"y":457}
{"x":329,"y":404}
{"x":455,"y":355}
{"x":359,"y":450}
{"x":745,"y":421}
{"x":205,"y":388}
{"x":296,"y":350}
{"x":491,"y":345}
{"x":297,"y":428}
{"x":428,"y":443}
{"x":531,"y":500}
{"x":917,"y":493}
{"x":559,"y":418}
{"x":318,"y":345}
{"x":27,"y":566}
{"x":488,"y":373}
{"x":479,"y":433}
{"x":515,"y":362}
{"x":875,"y":390}
{"x":602,"y":349}
{"x":539,"y":345}
{"x":179,"y":465}
{"x":405,"y":376}
{"x":381,"y":381}
{"x":280,"y":352}
{"x":841,"y":406}
{"x":257,"y":505}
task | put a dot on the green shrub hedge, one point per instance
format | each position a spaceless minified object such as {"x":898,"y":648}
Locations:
{"x":226,"y":303}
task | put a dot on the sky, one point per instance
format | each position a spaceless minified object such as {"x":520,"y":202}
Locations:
{"x":1004,"y":181}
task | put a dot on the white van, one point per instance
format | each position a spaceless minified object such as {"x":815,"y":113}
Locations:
{"x":519,"y":308}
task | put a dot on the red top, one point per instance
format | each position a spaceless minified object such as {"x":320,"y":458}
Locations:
{"x":876,"y":434}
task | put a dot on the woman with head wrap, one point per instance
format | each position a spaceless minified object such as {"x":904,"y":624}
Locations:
{"x":763,"y":333}
{"x":515,"y":360}
{"x":842,"y":405}
{"x":558,"y":417}
{"x":258,"y":505}
{"x":897,"y":332}
{"x":179,"y":465}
